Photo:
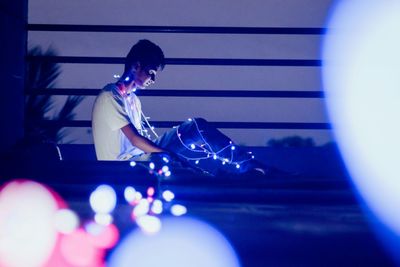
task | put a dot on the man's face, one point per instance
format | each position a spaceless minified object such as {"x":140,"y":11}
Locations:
{"x":145,"y":76}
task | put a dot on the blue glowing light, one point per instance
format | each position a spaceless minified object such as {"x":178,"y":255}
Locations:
{"x":152,"y":165}
{"x":103,"y":199}
{"x":165,"y":168}
{"x":362,"y":81}
{"x":129,"y":194}
{"x":168,"y":195}
{"x":199,"y":245}
{"x":132,"y":163}
{"x":178,"y":210}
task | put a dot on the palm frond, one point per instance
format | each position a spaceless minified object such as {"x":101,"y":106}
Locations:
{"x":41,"y":75}
{"x":67,"y":113}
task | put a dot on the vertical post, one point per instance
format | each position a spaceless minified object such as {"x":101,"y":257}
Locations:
{"x":13,"y":20}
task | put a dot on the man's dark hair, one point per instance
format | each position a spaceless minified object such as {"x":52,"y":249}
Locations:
{"x":147,"y":53}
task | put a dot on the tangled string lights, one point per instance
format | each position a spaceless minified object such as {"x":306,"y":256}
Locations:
{"x":206,"y":151}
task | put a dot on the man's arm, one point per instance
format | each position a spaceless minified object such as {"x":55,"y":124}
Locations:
{"x":139,"y":141}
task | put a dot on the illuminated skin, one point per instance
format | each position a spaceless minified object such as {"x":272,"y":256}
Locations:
{"x":143,"y":77}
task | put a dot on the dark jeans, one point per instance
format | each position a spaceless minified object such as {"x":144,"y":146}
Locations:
{"x":206,"y":147}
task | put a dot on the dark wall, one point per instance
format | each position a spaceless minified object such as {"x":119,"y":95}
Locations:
{"x":13,"y":18}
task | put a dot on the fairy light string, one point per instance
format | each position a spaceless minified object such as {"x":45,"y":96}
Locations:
{"x":208,"y":152}
{"x":204,"y":149}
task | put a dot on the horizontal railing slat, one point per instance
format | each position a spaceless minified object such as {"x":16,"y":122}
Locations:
{"x":177,"y":29}
{"x":184,"y":61}
{"x":187,"y":61}
{"x":186,"y":93}
{"x":231,"y":125}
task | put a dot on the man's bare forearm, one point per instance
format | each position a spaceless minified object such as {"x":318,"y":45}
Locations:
{"x":139,"y":141}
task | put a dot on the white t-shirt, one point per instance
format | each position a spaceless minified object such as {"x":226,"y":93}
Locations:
{"x":113,"y":110}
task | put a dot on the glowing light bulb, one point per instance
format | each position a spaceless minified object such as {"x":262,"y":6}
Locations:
{"x":165,"y":159}
{"x":142,"y":208}
{"x":168,"y":174}
{"x":149,"y":224}
{"x":66,"y":221}
{"x":150,"y":191}
{"x":165,"y":168}
{"x":178,"y":210}
{"x":189,"y":119}
{"x":215,"y":156}
{"x":116,"y":76}
{"x":197,"y":162}
{"x":103,"y":199}
{"x":152,"y":165}
{"x":233,"y":147}
{"x":132,"y":163}
{"x":127,"y":79}
{"x":157,"y":207}
{"x":168,"y":195}
{"x":130,"y":194}
{"x":237,"y":166}
{"x":138,"y":196}
{"x":192,"y":146}
{"x":27,"y":232}
{"x":103,"y":218}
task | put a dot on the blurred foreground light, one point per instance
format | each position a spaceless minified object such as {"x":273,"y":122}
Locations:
{"x":142,"y":208}
{"x":181,"y":242}
{"x":27,"y":232}
{"x":168,"y":195}
{"x":165,"y":168}
{"x":150,"y":191}
{"x":103,"y":236}
{"x":66,"y":221}
{"x":178,"y":210}
{"x":361,"y":75}
{"x":149,"y":224}
{"x":130,"y":194}
{"x":138,"y":196}
{"x":103,"y":199}
{"x":77,"y":250}
{"x":103,"y":218}
{"x":157,"y":207}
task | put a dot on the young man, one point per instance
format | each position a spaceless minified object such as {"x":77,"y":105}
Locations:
{"x":119,"y":129}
